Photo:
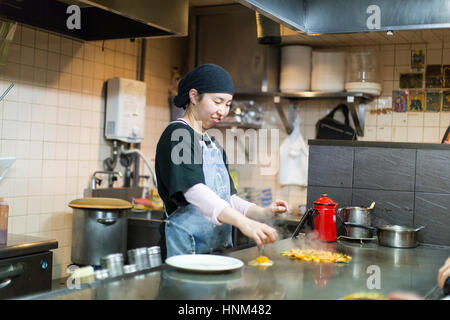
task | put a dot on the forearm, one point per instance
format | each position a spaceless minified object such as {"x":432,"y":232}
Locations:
{"x":257,"y":212}
{"x":231,"y":216}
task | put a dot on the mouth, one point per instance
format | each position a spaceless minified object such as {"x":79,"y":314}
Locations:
{"x":216,"y":120}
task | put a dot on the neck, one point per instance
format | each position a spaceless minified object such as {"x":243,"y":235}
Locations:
{"x":190,"y":118}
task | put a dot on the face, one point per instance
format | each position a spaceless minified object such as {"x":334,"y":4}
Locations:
{"x":211,"y":108}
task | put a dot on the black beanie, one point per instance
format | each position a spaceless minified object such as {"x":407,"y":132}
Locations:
{"x":207,"y":78}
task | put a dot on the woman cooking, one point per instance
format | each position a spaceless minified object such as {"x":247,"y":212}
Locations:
{"x":192,"y":173}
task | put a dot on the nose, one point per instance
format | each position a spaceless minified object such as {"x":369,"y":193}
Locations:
{"x":221,"y":111}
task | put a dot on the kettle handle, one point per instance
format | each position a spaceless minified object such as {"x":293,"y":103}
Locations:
{"x":307,"y":216}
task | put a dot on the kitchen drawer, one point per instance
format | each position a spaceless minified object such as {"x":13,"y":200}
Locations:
{"x":384,"y":169}
{"x":24,"y":275}
{"x":391,"y":207}
{"x":330,"y":166}
{"x":433,"y":171}
{"x":432,"y":210}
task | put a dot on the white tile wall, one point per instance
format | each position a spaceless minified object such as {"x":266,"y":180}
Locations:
{"x":52,"y":122}
{"x":426,"y":127}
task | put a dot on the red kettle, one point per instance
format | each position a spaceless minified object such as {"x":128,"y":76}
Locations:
{"x":322,"y":219}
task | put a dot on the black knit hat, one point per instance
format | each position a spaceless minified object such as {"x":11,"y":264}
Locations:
{"x":207,"y":78}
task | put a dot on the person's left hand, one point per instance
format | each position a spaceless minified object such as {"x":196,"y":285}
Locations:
{"x":279,"y":207}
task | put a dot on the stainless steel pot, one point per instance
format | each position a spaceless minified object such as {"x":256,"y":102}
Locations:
{"x":98,"y":229}
{"x":355,"y":216}
{"x":394,"y":236}
{"x":398,"y":236}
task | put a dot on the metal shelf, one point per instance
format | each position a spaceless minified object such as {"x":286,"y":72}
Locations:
{"x":308,"y":95}
{"x":352,"y":98}
{"x":230,"y":124}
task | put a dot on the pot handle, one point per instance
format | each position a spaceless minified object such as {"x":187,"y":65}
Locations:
{"x":419,"y":228}
{"x":107,"y":221}
{"x":349,"y":224}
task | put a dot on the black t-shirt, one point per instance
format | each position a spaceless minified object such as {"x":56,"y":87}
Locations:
{"x":178,"y":164}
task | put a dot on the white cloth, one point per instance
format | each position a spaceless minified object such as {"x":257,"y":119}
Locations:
{"x":210,"y":204}
{"x":294,"y":158}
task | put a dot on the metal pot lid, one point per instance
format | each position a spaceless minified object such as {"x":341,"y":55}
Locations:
{"x":100,"y":203}
{"x":396,"y":228}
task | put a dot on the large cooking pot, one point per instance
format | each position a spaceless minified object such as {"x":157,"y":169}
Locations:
{"x":99,"y":228}
{"x":355,"y":216}
{"x":394,"y":236}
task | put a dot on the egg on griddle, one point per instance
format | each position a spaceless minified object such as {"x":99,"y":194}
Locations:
{"x":261,"y":262}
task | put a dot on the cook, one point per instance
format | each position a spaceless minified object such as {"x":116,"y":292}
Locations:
{"x":194,"y":183}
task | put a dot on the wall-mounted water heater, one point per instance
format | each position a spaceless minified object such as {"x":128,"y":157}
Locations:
{"x":125,"y":110}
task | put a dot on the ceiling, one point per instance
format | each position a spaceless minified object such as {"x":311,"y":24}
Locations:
{"x":367,"y":38}
{"x":350,"y":39}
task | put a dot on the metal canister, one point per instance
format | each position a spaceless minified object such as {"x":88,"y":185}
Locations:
{"x":129,"y":268}
{"x":101,"y":274}
{"x":139,"y":257}
{"x":154,"y":256}
{"x":113,"y":263}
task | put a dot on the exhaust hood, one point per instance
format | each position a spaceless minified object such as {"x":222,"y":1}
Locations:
{"x":102,"y":19}
{"x":353,"y":16}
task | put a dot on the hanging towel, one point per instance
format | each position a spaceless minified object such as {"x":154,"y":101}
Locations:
{"x":294,"y":158}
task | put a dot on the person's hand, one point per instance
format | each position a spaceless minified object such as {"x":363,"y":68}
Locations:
{"x":444,"y":273}
{"x":279,"y":207}
{"x":261,"y":233}
{"x":403,"y":295}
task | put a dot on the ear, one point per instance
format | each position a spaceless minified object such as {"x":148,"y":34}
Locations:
{"x":193,"y":96}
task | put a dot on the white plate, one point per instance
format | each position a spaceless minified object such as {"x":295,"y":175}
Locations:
{"x":204,"y":262}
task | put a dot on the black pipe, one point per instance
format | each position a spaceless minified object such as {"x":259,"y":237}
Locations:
{"x":110,"y":163}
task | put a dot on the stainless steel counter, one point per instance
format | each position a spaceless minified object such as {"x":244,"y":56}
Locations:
{"x":398,"y":269}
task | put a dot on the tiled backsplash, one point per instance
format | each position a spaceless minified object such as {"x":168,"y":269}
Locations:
{"x":409,"y":183}
{"x":426,"y":127}
{"x":52,"y":121}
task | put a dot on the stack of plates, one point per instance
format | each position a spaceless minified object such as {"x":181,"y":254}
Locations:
{"x":295,"y":71}
{"x":328,"y":71}
{"x":365,"y":87}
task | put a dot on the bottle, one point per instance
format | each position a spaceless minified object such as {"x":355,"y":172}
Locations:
{"x":4,"y":210}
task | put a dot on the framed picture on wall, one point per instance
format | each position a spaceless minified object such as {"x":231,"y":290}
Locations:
{"x":446,"y":101}
{"x":400,"y":100}
{"x":411,"y":80}
{"x":446,"y":76}
{"x":417,"y":60}
{"x":416,"y":100}
{"x":433,"y":101}
{"x":433,"y":76}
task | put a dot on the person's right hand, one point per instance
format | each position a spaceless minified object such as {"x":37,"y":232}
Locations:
{"x":444,"y":273}
{"x":261,"y":233}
